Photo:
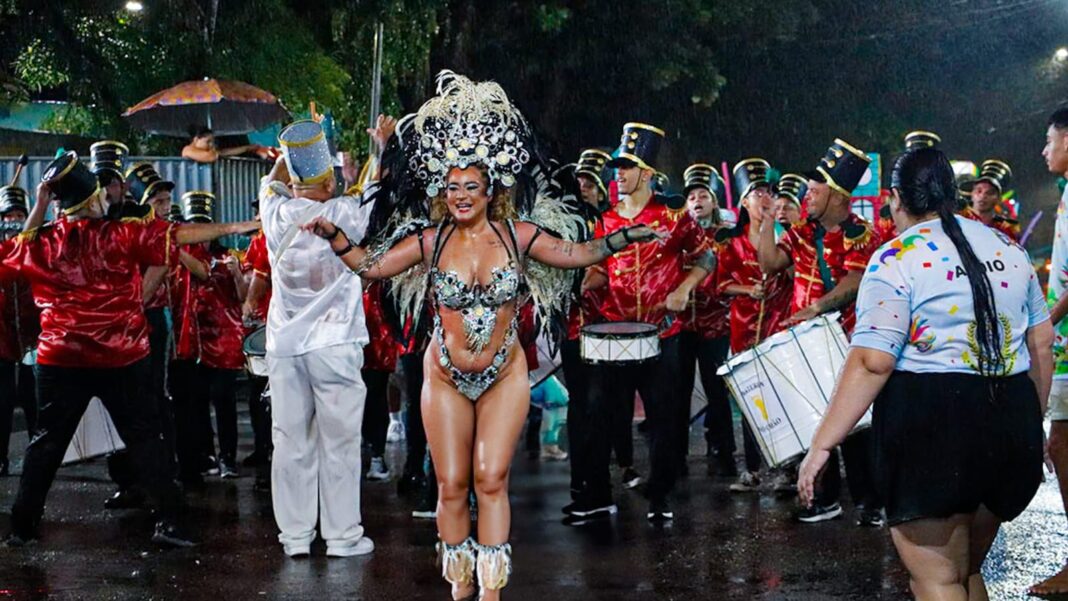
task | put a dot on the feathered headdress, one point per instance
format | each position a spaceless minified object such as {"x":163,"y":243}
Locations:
{"x":467,"y":124}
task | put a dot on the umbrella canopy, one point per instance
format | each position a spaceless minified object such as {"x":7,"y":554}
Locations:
{"x":227,"y":107}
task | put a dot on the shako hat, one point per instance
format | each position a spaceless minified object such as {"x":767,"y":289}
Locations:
{"x":592,"y":163}
{"x":793,"y":187}
{"x":749,"y":174}
{"x":914,"y":140}
{"x":197,"y":206}
{"x":107,"y":158}
{"x":703,"y":175}
{"x":13,"y":198}
{"x":993,"y":171}
{"x":143,"y":182}
{"x":639,"y":146}
{"x":842,"y":167}
{"x":71,"y":182}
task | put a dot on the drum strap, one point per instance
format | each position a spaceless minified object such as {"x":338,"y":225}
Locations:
{"x":825,"y":269}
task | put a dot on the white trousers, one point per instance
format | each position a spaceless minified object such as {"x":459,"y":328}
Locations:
{"x":317,"y":402}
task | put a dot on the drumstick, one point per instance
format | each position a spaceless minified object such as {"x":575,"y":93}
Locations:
{"x":23,"y":161}
{"x":760,"y":316}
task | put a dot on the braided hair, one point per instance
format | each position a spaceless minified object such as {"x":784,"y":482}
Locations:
{"x":925,"y":182}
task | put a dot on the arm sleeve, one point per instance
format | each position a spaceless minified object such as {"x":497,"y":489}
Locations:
{"x":1037,"y":311}
{"x":788,"y":242}
{"x":883,"y":310}
{"x":11,"y":252}
{"x":692,"y":239}
{"x":726,"y":267}
{"x":152,"y":242}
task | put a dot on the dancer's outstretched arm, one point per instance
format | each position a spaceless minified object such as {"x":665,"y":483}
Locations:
{"x":407,"y":253}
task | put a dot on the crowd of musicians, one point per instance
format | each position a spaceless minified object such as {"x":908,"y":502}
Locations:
{"x":127,"y":295}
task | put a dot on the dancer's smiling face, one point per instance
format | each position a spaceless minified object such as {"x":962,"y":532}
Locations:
{"x":467,"y":194}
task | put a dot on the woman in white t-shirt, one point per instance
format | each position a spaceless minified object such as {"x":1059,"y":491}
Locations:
{"x":953,"y":345}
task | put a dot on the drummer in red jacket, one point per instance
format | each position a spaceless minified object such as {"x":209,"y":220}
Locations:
{"x":94,"y":339}
{"x":759,"y":302}
{"x":707,"y":325}
{"x":257,"y":268}
{"x":829,"y":253}
{"x":646,"y":283}
{"x":19,"y":327}
{"x":221,"y":334}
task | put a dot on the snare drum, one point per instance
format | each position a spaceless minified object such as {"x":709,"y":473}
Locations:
{"x":255,"y":347}
{"x":619,"y":343}
{"x":783,"y":385}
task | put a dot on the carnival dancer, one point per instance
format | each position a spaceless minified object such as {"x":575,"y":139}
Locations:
{"x":985,"y":194}
{"x":644,"y":284}
{"x":957,"y":362}
{"x":152,"y":193}
{"x":759,"y":302}
{"x":705,"y":338}
{"x":473,"y":155}
{"x":315,"y":338}
{"x":19,"y":327}
{"x":94,"y":339}
{"x":1056,"y":155}
{"x":829,"y":253}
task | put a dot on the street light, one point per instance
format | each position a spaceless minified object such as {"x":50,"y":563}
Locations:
{"x":1061,"y":54}
{"x":135,"y":7}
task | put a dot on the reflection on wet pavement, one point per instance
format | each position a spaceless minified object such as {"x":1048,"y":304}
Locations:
{"x":720,"y":546}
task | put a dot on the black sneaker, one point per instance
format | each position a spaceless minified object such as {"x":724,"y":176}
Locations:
{"x":169,"y":535}
{"x":871,"y":518}
{"x":631,"y":478}
{"x":125,"y":498}
{"x":586,"y":513}
{"x":227,"y":469}
{"x":209,"y":466}
{"x":819,"y":513}
{"x":567,"y":509}
{"x":659,"y":511}
{"x":427,"y":507}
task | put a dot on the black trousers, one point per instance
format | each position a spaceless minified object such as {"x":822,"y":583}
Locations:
{"x":187,"y":425}
{"x":16,"y":388}
{"x":64,"y":394}
{"x":376,"y":410}
{"x":259,"y":413}
{"x":610,"y":385}
{"x":120,"y":467}
{"x":858,"y":453}
{"x":218,"y":388}
{"x":708,"y":354}
{"x":576,"y":380}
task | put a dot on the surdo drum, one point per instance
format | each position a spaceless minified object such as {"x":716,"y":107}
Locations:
{"x":619,"y":343}
{"x":783,"y":385}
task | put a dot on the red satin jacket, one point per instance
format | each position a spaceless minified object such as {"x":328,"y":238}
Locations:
{"x":79,"y":271}
{"x":738,"y":265}
{"x":185,"y":306}
{"x":256,"y":261}
{"x":1009,"y":227}
{"x":641,"y":276}
{"x":708,"y":312}
{"x":20,"y":319}
{"x":381,"y":353}
{"x":842,"y":255}
{"x":219,"y":317}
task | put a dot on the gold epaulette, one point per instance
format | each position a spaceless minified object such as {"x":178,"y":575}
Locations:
{"x":857,"y":233}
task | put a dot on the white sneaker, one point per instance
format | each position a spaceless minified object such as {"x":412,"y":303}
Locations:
{"x":297,"y":550}
{"x":395,"y":432}
{"x":379,"y":470}
{"x":553,"y":452}
{"x":362,"y":547}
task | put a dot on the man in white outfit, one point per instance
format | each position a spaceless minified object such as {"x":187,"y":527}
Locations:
{"x":315,"y":339}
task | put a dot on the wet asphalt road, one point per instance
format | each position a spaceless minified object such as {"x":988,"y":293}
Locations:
{"x":720,"y":546}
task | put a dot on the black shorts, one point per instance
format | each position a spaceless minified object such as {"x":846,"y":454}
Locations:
{"x":945,"y":444}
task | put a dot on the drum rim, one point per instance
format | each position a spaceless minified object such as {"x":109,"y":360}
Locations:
{"x":245,"y":342}
{"x":825,"y":320}
{"x":650,"y":330}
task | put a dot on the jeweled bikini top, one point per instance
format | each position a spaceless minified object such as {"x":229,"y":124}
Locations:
{"x":453,"y":293}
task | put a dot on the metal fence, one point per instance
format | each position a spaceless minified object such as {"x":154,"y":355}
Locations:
{"x":234,"y":181}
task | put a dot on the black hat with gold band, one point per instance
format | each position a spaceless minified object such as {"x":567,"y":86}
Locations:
{"x":792,"y":187}
{"x":915,"y":140}
{"x":993,"y":171}
{"x":71,"y":182}
{"x":703,"y":175}
{"x":13,"y":198}
{"x":592,"y":164}
{"x":842,"y":167}
{"x":197,"y":206}
{"x":639,"y":146}
{"x":144,"y":182}
{"x":108,"y":157}
{"x":175,"y":214}
{"x":749,"y":174}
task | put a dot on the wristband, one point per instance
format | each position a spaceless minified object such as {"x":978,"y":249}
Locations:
{"x":344,"y":251}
